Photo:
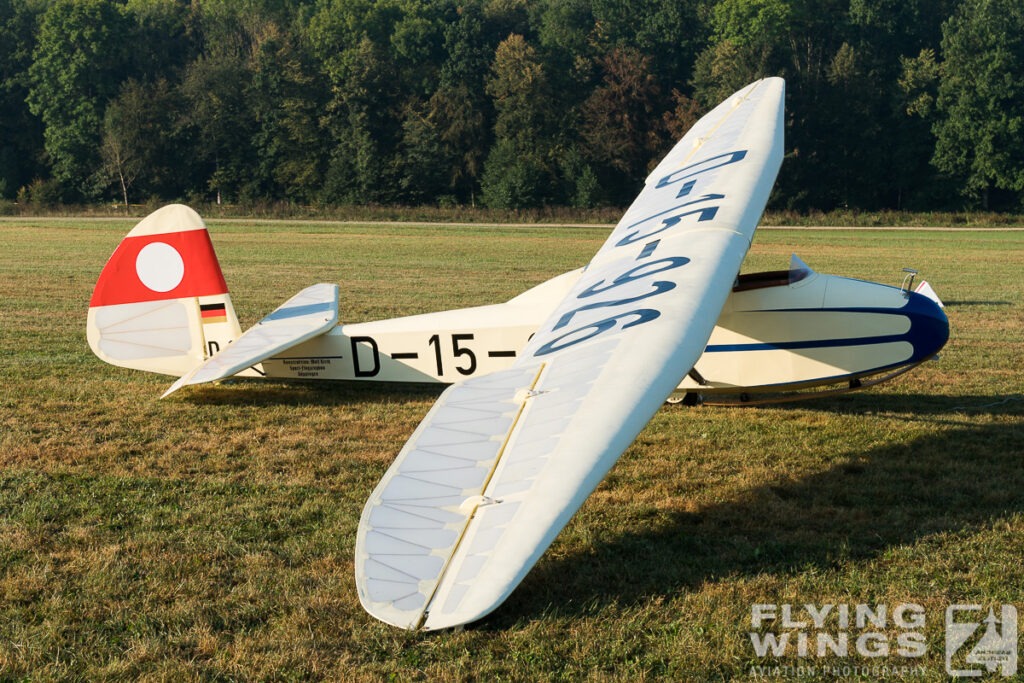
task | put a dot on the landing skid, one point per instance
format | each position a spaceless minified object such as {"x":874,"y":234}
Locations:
{"x":744,"y":398}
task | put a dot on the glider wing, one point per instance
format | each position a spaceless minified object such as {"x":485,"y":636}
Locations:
{"x":312,"y":311}
{"x":502,"y":462}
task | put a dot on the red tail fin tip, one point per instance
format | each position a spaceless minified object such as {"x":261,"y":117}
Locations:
{"x":166,"y":256}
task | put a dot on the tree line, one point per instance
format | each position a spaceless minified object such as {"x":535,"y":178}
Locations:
{"x":891,"y":104}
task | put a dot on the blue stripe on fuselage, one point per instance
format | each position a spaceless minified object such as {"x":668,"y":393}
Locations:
{"x":929,"y":330}
{"x":816,"y":344}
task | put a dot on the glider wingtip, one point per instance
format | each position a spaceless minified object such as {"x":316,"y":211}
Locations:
{"x":417,"y":620}
{"x":405,"y":620}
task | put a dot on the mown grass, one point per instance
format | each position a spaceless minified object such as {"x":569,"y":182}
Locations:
{"x":210,"y":535}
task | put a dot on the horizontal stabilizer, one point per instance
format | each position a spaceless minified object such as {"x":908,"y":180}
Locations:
{"x":309,"y":313}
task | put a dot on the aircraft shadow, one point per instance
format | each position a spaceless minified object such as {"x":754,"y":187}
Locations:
{"x":253,"y":391}
{"x":889,"y":496}
{"x":307,"y":392}
{"x":913,"y":406}
{"x":978,"y":303}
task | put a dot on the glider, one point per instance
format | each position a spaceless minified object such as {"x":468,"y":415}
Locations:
{"x":550,"y":388}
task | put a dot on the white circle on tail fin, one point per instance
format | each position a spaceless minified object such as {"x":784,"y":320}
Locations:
{"x":160,"y":267}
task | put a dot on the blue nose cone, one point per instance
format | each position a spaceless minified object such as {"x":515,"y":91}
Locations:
{"x":929,"y":326}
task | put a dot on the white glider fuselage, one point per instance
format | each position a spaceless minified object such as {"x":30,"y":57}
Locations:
{"x":777,"y":331}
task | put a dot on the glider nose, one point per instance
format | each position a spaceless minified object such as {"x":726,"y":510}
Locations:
{"x":929,"y":329}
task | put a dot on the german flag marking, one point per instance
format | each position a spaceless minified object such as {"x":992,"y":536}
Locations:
{"x":213,"y":313}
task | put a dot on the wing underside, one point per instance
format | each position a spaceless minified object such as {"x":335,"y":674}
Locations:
{"x":502,"y":462}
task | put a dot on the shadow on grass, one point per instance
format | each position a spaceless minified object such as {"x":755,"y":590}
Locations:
{"x":916,"y":405}
{"x":890,"y":496}
{"x":978,"y":303}
{"x":345,"y":393}
{"x":305,"y":392}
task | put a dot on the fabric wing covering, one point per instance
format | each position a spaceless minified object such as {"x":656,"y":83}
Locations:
{"x":309,"y":313}
{"x":502,"y":462}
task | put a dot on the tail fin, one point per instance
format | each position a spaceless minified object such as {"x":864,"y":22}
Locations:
{"x":161,"y":303}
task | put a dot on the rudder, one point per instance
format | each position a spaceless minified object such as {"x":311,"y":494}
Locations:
{"x":161,"y":303}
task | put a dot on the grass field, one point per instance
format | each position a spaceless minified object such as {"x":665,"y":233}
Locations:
{"x":210,"y":535}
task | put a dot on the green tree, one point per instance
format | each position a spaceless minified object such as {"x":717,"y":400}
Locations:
{"x":380,"y":59}
{"x":122,"y":159}
{"x":980,"y":130}
{"x":21,"y":135}
{"x":445,"y":135}
{"x":856,"y":116}
{"x":807,"y":43}
{"x":214,"y":87}
{"x":363,"y":126}
{"x":919,"y":81}
{"x":669,"y":34}
{"x":516,"y":172}
{"x":286,"y":98}
{"x":78,"y":62}
{"x":424,"y":158}
{"x":422,"y":101}
{"x":160,"y":44}
{"x":750,"y":39}
{"x":591,"y":49}
{"x":143,"y":144}
{"x":890,"y":159}
{"x":621,"y":125}
{"x":460,"y":111}
{"x":222,"y":104}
